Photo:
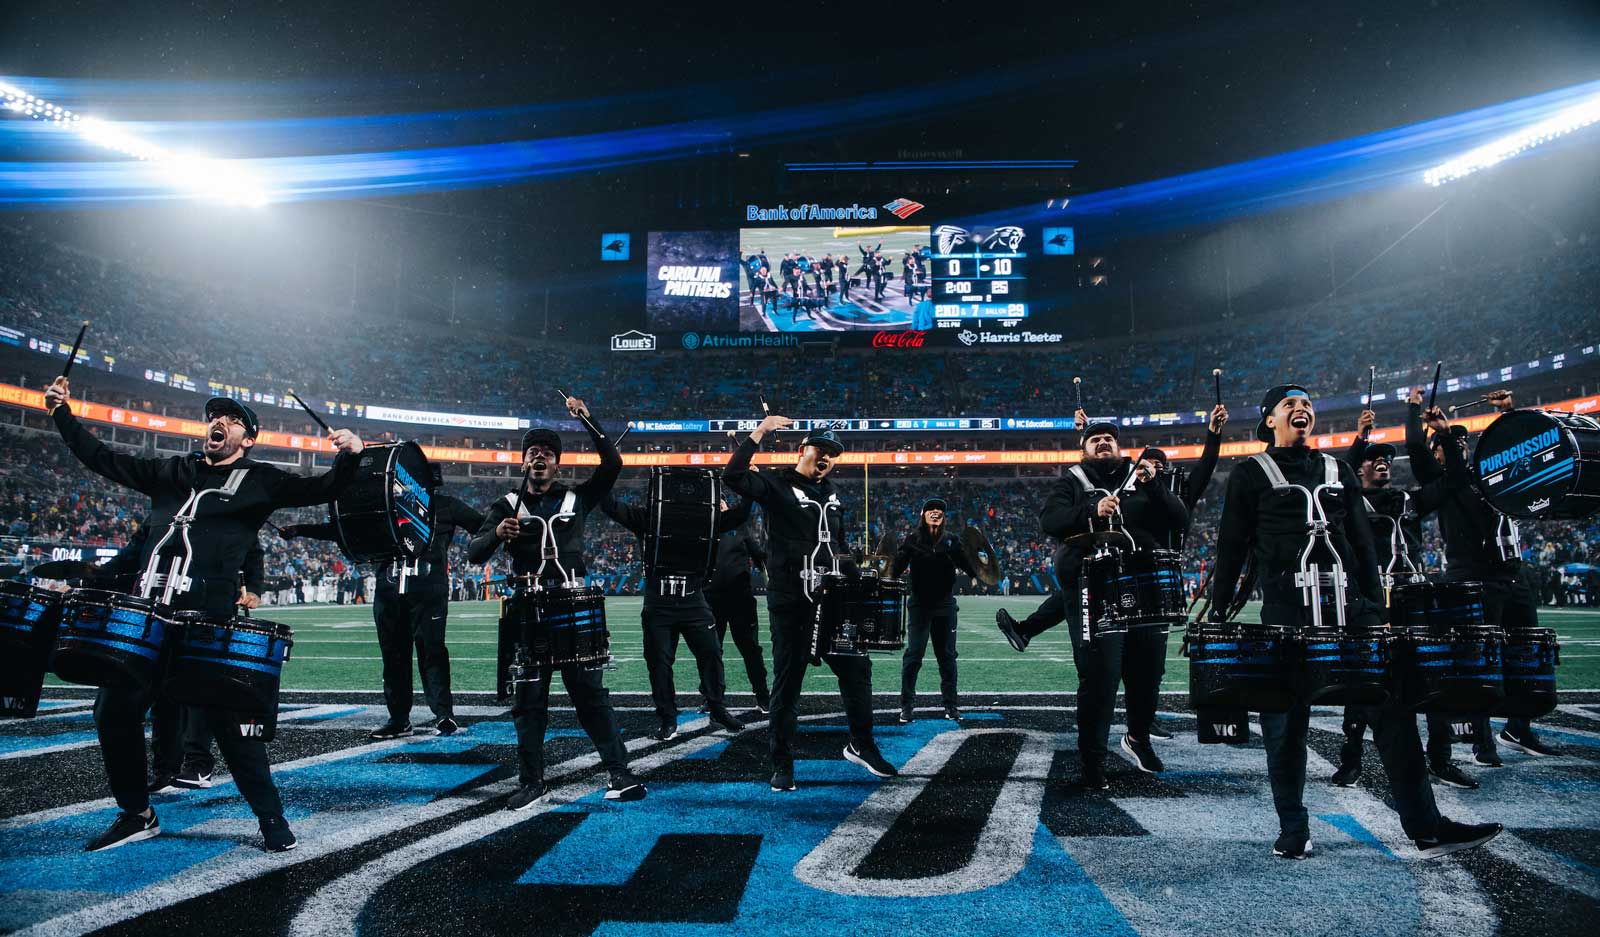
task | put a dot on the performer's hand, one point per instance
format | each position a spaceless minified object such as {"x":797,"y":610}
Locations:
{"x":1219,"y":418}
{"x":508,"y":529}
{"x":1501,"y":400}
{"x":248,"y":599}
{"x":346,"y":440}
{"x":1416,"y":396}
{"x":1145,"y":470}
{"x":577,"y":407}
{"x":1080,"y":419}
{"x":1436,"y":420}
{"x":56,"y":394}
{"x":772,"y":422}
{"x":1107,"y":506}
{"x":1366,"y":422}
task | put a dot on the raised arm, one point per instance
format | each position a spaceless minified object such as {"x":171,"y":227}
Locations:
{"x":744,"y":480}
{"x":140,"y":474}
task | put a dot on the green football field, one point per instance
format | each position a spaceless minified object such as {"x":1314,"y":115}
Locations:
{"x":336,"y":649}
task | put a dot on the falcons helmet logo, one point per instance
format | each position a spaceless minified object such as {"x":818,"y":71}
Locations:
{"x":1009,"y":236}
{"x":949,"y":236}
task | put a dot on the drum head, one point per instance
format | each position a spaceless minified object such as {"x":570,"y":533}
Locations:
{"x":1528,"y":462}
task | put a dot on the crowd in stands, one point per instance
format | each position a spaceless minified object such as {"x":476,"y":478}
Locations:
{"x":1473,"y":320}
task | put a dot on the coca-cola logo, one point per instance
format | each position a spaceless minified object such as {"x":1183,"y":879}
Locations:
{"x":910,"y":338}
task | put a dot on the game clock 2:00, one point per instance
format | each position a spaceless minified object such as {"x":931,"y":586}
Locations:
{"x":979,"y":273}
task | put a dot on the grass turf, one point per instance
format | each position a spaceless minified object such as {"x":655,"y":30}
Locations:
{"x":336,"y":649}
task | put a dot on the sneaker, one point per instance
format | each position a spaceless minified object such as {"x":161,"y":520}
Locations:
{"x":1347,"y":774}
{"x":1448,"y":773}
{"x":625,"y":786}
{"x":763,"y":705}
{"x":1094,"y":778}
{"x":726,"y":720}
{"x":390,"y":730}
{"x":193,"y":779}
{"x":526,"y":796}
{"x":447,"y":726}
{"x":126,"y":828}
{"x":866,"y":755}
{"x":667,"y":732}
{"x":1143,"y":755}
{"x":704,"y":709}
{"x":953,"y":714}
{"x":1292,"y":846}
{"x":1454,"y":837}
{"x":1008,"y":627}
{"x":1159,"y":732}
{"x":1525,"y":742}
{"x":162,"y":783}
{"x":783,"y":778}
{"x":277,"y":835}
{"x":1487,"y":759}
{"x":906,"y":715}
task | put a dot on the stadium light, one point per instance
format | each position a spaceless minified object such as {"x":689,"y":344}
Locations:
{"x":1498,"y":151}
{"x":216,"y":179}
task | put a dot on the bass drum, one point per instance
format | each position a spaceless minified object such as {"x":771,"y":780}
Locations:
{"x":682,"y":536}
{"x":1540,"y":465}
{"x":386,"y":512}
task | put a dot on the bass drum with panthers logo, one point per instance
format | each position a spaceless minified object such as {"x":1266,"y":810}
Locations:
{"x":1541,"y":465}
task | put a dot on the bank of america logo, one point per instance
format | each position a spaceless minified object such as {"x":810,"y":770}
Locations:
{"x":904,"y":207}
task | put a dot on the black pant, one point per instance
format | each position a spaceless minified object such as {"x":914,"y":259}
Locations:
{"x":772,"y":298}
{"x":1399,"y":747}
{"x":180,"y":737}
{"x":530,"y":713}
{"x":119,"y":721}
{"x":791,"y":620}
{"x":415,"y":619}
{"x":938,"y":621}
{"x":663,"y":624}
{"x":1440,"y":736}
{"x":736,"y":612}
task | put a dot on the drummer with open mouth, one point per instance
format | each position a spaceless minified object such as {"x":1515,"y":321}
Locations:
{"x":222,"y":497}
{"x":510,"y":522}
{"x":1264,"y":519}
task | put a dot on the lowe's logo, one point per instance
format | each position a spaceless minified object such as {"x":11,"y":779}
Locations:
{"x":1512,"y":454}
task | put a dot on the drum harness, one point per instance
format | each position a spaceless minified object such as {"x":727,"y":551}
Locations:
{"x":176,"y":579}
{"x":1113,"y":523}
{"x":1311,"y":578}
{"x":809,"y":577}
{"x":522,"y":670}
{"x":1399,"y":552}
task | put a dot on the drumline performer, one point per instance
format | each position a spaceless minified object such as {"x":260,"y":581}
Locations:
{"x":205,"y":511}
{"x":675,"y":605}
{"x":731,"y":595}
{"x":1264,"y":518}
{"x":414,"y":615}
{"x":802,"y":509}
{"x":1483,"y":545}
{"x":545,"y":504}
{"x":932,"y":554}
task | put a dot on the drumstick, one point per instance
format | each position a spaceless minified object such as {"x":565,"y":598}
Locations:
{"x":307,"y":407}
{"x":1372,"y":375}
{"x":1216,"y":377}
{"x":76,"y":344}
{"x":1077,"y":390}
{"x":1433,"y":394}
{"x":527,"y":473}
{"x":1470,"y":403}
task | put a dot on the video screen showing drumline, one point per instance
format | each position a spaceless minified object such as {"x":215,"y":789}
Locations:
{"x":1328,"y":545}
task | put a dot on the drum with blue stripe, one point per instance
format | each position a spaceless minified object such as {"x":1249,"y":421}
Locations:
{"x":29,"y":620}
{"x":1446,"y":657}
{"x":111,"y":640}
{"x":1530,"y":656}
{"x":1241,"y":666}
{"x":234,"y":664}
{"x":551,"y":627}
{"x":1345,"y":668}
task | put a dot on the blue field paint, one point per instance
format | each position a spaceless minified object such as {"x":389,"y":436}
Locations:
{"x":1352,"y":828}
{"x":26,"y":743}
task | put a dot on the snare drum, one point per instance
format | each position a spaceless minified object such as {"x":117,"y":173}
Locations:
{"x":29,"y":619}
{"x":554,"y":627}
{"x":234,"y":664}
{"x":1241,"y":666}
{"x":1530,"y":657}
{"x":386,"y":511}
{"x":111,"y":640}
{"x":1345,"y":668}
{"x":1138,"y":589}
{"x":854,"y":616}
{"x":1540,"y":464}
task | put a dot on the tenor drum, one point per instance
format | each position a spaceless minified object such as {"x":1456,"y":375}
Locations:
{"x":233,"y":664}
{"x":1530,"y":656}
{"x":682,"y":536}
{"x":854,"y":616}
{"x":1241,"y":666}
{"x":1137,"y":589}
{"x":386,"y":511}
{"x":1345,"y":668}
{"x":1540,"y":464}
{"x":111,"y":640}
{"x":29,"y":619}
{"x":1446,"y":657}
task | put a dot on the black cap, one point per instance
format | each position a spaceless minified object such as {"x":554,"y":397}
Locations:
{"x":1098,"y":427}
{"x":220,"y":406}
{"x":1271,"y":400}
{"x":1379,"y":450}
{"x":934,"y":504}
{"x":1457,"y":431}
{"x":824,"y":439}
{"x":1154,"y":454}
{"x":543,"y":436}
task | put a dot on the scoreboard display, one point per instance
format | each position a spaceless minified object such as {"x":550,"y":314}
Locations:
{"x":979,"y":273}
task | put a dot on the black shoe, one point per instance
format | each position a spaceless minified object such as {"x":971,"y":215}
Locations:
{"x":1454,"y":837}
{"x":1292,"y":846}
{"x":1453,"y":776}
{"x":1159,"y":732}
{"x":126,"y":828}
{"x":1143,"y":755}
{"x":783,"y":778}
{"x":764,"y":704}
{"x":704,"y":709}
{"x":625,"y":786}
{"x":1526,"y":742}
{"x":1347,"y":774}
{"x":725,"y":719}
{"x":162,"y":783}
{"x":866,"y":755}
{"x":667,"y":732}
{"x":390,"y":730}
{"x":277,"y":835}
{"x":1094,"y":778}
{"x":1487,"y":759}
{"x":906,"y":715}
{"x":1008,"y":627}
{"x":953,"y":714}
{"x":447,"y":726}
{"x":193,"y":779}
{"x":526,"y":796}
